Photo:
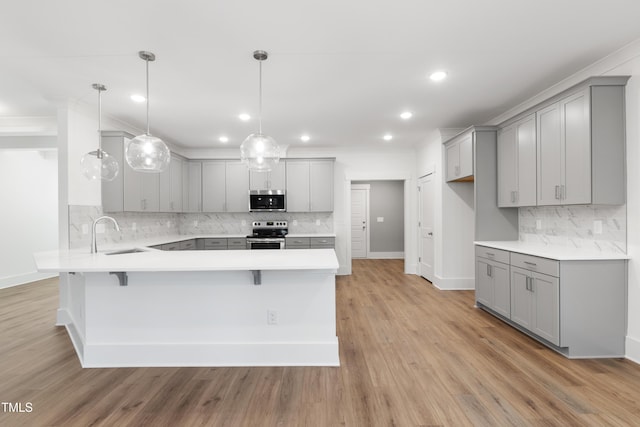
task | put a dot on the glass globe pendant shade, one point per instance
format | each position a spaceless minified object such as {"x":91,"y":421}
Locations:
{"x":147,"y":153}
{"x":99,"y":165}
{"x":260,"y":152}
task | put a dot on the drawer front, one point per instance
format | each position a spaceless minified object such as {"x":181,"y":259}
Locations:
{"x":537,"y":264}
{"x":493,"y":254}
{"x":236,"y":244}
{"x":171,"y":246}
{"x":212,"y":244}
{"x":322,"y":242}
{"x":297,"y":242}
{"x":188,"y":245}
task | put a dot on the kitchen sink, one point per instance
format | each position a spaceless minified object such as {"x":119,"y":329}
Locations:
{"x":125,"y":251}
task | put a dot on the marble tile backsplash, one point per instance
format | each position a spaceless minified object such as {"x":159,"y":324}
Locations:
{"x":141,"y":225}
{"x":576,"y":226}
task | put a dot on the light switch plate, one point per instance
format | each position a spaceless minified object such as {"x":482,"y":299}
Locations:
{"x":317,"y":222}
{"x":380,"y":219}
{"x":538,"y":224}
{"x":85,"y":228}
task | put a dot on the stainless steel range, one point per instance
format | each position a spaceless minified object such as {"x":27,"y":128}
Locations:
{"x":268,"y":235}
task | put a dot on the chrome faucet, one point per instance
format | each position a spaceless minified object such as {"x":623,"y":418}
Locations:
{"x":94,"y":244}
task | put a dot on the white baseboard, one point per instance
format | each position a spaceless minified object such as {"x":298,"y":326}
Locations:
{"x":210,"y":354}
{"x":632,"y":349}
{"x":385,"y":255}
{"x":454,"y":284}
{"x":21,"y":279}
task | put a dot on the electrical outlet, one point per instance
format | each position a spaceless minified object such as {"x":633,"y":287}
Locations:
{"x":134,"y":226}
{"x":85,"y":228}
{"x":597,"y":227}
{"x":168,"y":224}
{"x":272,"y":317}
{"x":295,"y":222}
{"x":318,"y":222}
{"x":195,"y":223}
{"x":538,"y":224}
{"x":99,"y":228}
{"x":244,"y":222}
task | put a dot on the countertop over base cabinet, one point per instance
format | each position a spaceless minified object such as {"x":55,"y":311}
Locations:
{"x":576,"y":307}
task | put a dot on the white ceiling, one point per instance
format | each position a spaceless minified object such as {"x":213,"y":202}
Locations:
{"x":341,"y":71}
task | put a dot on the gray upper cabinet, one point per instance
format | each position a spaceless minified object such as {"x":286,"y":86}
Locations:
{"x":459,"y":158}
{"x":273,"y":180}
{"x":193,"y":190}
{"x":113,"y":191}
{"x":309,"y":185}
{"x":225,"y":186}
{"x":581,"y":144}
{"x":213,"y":186}
{"x":171,"y":186}
{"x":236,"y":187}
{"x":517,"y":163}
{"x":141,"y":191}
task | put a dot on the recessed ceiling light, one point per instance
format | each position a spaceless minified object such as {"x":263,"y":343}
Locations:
{"x":244,"y":117}
{"x":138,"y":98}
{"x":305,"y":138}
{"x":223,"y":139}
{"x":438,"y":76}
{"x":387,"y":137}
{"x":406,"y":115}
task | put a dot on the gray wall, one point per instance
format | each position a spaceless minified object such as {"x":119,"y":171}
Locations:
{"x":386,"y":200}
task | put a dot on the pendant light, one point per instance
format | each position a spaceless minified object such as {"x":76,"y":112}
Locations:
{"x":147,"y":153}
{"x":99,"y":164}
{"x":258,"y":151}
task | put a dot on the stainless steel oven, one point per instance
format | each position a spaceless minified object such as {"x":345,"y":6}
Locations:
{"x":268,"y":235}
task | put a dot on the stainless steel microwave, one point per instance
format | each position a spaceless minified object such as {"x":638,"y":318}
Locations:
{"x":267,"y":201}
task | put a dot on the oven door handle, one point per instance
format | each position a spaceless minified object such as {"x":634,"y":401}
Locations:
{"x":265,"y":240}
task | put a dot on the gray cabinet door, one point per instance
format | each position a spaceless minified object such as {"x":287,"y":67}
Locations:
{"x":521,"y":298}
{"x":484,"y":283}
{"x":273,"y":180}
{"x":150,"y":191}
{"x":526,"y":161}
{"x":321,"y":186}
{"x":237,"y":187}
{"x":576,"y":185}
{"x":213,"y":186}
{"x":297,"y":185}
{"x":113,"y":191}
{"x":550,"y":156}
{"x":171,"y":187}
{"x":194,"y":191}
{"x":501,"y":289}
{"x":545,"y":291}
{"x":141,"y":191}
{"x":466,"y":156}
{"x":507,"y":166}
{"x":452,"y":154}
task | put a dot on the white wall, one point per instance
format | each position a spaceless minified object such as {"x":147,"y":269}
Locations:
{"x":29,"y":214}
{"x":453,"y":217}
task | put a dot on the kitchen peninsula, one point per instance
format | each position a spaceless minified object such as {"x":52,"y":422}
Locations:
{"x":198,"y":308}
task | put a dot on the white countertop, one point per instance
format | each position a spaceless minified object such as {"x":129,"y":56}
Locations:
{"x":198,"y":260}
{"x":560,"y":253}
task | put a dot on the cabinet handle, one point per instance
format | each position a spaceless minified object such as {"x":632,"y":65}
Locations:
{"x":562,"y":195}
{"x":490,"y":254}
{"x":513,"y":197}
{"x":516,"y":196}
{"x":557,"y":192}
{"x":489,"y":271}
{"x":533,"y":264}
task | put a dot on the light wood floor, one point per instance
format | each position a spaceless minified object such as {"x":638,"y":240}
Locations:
{"x":411,"y":355}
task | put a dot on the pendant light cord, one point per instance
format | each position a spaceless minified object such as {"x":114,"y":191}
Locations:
{"x":147,"y":62}
{"x":99,"y":123}
{"x":260,"y":101}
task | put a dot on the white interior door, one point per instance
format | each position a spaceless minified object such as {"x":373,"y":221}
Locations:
{"x":359,"y":218}
{"x":427,"y":197}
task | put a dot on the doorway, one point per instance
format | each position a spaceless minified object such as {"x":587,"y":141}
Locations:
{"x":426,"y":194}
{"x":359,"y":220}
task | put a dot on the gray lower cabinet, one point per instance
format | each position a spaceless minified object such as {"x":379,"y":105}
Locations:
{"x":215,"y":244}
{"x":576,"y":307}
{"x":237,"y":243}
{"x":310,"y":242}
{"x":492,"y":281}
{"x":187,"y":245}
